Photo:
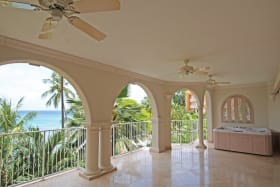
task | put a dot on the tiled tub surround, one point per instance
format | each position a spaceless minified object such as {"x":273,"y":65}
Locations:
{"x":243,"y":139}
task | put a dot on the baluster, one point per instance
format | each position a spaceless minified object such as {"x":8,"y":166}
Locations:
{"x":113,"y":141}
{"x":43,"y":159}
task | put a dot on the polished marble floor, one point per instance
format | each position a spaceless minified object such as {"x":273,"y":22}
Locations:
{"x":183,"y":166}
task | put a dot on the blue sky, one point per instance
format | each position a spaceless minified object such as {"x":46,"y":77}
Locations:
{"x":17,"y":80}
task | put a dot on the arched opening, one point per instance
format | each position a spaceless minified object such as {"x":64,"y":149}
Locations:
{"x":132,"y":126}
{"x":45,"y":91}
{"x":207,"y":117}
{"x":184,"y":117}
{"x":34,"y":152}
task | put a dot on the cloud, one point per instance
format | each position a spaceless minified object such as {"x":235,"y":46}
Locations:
{"x":23,"y":80}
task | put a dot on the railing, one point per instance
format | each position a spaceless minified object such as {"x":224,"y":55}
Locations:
{"x":34,"y":155}
{"x":184,"y":131}
{"x":28,"y":156}
{"x":130,"y":136}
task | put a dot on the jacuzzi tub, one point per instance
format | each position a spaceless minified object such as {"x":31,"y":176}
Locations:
{"x":243,"y":139}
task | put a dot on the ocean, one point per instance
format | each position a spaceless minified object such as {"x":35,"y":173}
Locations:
{"x":45,"y":119}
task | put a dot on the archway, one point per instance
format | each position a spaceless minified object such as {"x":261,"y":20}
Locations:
{"x":55,"y":150}
{"x":34,"y":66}
{"x":184,"y":117}
{"x":132,"y":113}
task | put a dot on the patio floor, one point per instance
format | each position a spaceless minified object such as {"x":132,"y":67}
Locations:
{"x":183,"y":166}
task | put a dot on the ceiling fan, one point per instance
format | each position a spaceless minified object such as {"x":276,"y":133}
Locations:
{"x":59,"y":9}
{"x":187,"y":69}
{"x":213,"y":82}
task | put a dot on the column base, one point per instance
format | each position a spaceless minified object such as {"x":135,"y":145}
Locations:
{"x":201,"y":146}
{"x":91,"y":176}
{"x":108,"y":170}
{"x":156,"y":150}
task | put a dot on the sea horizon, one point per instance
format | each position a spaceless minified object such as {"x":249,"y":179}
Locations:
{"x":44,"y":119}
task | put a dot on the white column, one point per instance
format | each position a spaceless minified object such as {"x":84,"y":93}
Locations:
{"x":155,"y":135}
{"x":92,"y":145}
{"x":201,"y":144}
{"x":105,"y":149}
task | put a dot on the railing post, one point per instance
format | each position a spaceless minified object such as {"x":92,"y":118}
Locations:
{"x":113,"y":140}
{"x":192,"y":130}
{"x":43,"y":159}
{"x":130,"y":135}
{"x":180,"y":132}
{"x":78,"y":152}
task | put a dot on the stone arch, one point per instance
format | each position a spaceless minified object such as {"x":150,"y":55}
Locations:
{"x":150,"y":96}
{"x":64,"y":74}
{"x":148,"y":92}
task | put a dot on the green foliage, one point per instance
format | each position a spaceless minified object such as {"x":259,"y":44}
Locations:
{"x":56,"y":150}
{"x":124,"y":92}
{"x":179,"y":98}
{"x":57,"y":86}
{"x":57,"y":91}
{"x":145,"y":103}
{"x":128,"y":110}
{"x":10,"y":121}
{"x":76,"y":113}
{"x":25,"y":154}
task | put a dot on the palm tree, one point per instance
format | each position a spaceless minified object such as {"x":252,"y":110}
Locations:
{"x":58,"y":90}
{"x":76,"y":112}
{"x":10,"y":121}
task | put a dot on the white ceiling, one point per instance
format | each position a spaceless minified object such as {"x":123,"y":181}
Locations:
{"x":238,"y":39}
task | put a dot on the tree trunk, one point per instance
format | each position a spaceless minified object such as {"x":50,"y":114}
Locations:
{"x":62,"y":102}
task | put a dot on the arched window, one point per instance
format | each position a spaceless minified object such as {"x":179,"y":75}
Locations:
{"x":237,"y":109}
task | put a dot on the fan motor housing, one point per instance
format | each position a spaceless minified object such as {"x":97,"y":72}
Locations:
{"x":55,"y":4}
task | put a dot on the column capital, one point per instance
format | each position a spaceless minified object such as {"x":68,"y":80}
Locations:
{"x":157,"y":119}
{"x":168,"y":95}
{"x":92,"y":128}
{"x":101,"y":123}
{"x":106,"y":127}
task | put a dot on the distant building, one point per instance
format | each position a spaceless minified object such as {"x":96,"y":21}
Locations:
{"x":191,"y":103}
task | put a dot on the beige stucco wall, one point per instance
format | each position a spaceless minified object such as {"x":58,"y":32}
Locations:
{"x":98,"y":85}
{"x":257,"y":94}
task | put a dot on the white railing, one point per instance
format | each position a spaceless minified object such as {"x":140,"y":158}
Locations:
{"x":130,"y":136}
{"x":28,"y":156}
{"x":184,"y":131}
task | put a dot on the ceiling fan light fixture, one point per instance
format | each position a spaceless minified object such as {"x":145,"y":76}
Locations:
{"x":67,"y":8}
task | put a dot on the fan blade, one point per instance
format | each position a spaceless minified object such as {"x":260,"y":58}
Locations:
{"x":5,"y":4}
{"x":222,"y":83}
{"x":49,"y":24}
{"x":47,"y":28}
{"x":45,"y":35}
{"x":87,"y":28}
{"x":85,"y":6}
{"x":199,"y":72}
{"x":26,"y":5}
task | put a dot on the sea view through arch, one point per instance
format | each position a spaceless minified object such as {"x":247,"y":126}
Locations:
{"x":44,"y":120}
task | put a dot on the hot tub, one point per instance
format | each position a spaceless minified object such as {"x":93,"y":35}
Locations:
{"x":243,"y":139}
